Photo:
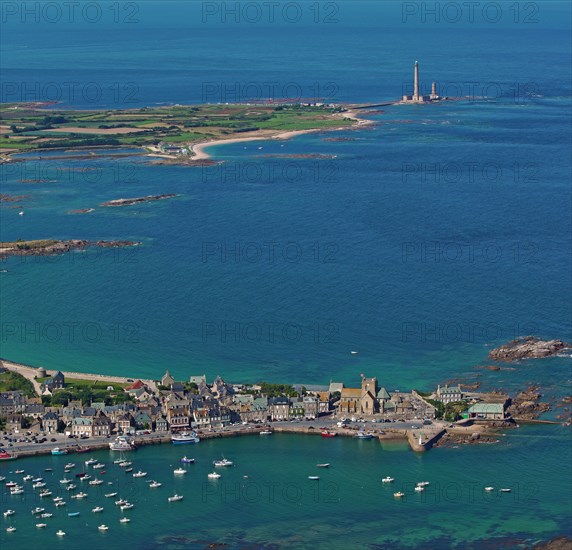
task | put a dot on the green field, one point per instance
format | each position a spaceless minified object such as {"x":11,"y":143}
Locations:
{"x":31,"y":127}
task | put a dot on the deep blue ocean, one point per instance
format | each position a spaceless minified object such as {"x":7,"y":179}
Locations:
{"x":420,"y":241}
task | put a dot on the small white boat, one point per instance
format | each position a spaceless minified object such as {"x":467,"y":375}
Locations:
{"x":96,"y":481}
{"x":180,"y":471}
{"x":18,"y":491}
{"x":364,"y":435}
{"x":224,"y":462}
{"x":140,"y":474}
{"x":120,"y":502}
{"x":186,"y":460}
{"x":10,"y":529}
{"x":46,"y":515}
{"x":154,"y":484}
{"x":124,"y":520}
{"x":37,"y":480}
{"x":57,"y":499}
{"x":125,"y":463}
{"x":419,"y":489}
{"x":314,"y":478}
{"x":80,"y":495}
{"x":70,"y":465}
{"x":41,"y":525}
{"x":21,"y":213}
{"x":505,"y":490}
{"x":71,"y":487}
{"x":60,"y":533}
{"x":60,"y":503}
{"x":213,"y":475}
{"x":45,"y":493}
{"x":127,"y":506}
{"x":422,"y":484}
{"x":97,"y":509}
{"x":323,"y":465}
{"x":110,"y":495}
{"x":265,"y":432}
{"x":28,"y":478}
{"x":175,"y":497}
{"x":354,"y":352}
{"x":98,"y":466}
{"x":103,"y":528}
{"x":127,"y":470}
{"x":65,"y":481}
{"x":399,"y":494}
{"x":38,"y":510}
{"x":90,"y":462}
{"x":85,"y":478}
{"x":9,"y":513}
{"x":489,"y":489}
{"x":388,"y":479}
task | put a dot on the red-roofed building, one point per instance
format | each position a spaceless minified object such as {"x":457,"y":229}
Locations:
{"x":137,"y":385}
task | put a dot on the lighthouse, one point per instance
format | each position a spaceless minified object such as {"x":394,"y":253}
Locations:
{"x":416,"y":82}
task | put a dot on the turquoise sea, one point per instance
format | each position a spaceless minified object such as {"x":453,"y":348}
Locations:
{"x":421,"y":241}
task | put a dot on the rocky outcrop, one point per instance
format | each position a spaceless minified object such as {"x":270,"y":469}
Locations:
{"x":52,"y":247}
{"x":526,"y":404}
{"x":528,"y":347}
{"x":138,"y":200}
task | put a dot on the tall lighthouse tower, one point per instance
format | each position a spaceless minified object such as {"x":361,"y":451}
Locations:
{"x":416,"y":82}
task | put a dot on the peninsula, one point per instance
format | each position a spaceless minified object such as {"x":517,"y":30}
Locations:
{"x":173,"y":132}
{"x":51,"y":247}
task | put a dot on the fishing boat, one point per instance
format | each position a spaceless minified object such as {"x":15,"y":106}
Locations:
{"x":98,"y":466}
{"x":327,"y":433}
{"x":122,"y":443}
{"x":184,"y":438}
{"x":80,"y":495}
{"x":37,"y":480}
{"x":314,"y":478}
{"x":125,"y":463}
{"x":8,"y":513}
{"x":419,"y":489}
{"x":2,"y":478}
{"x":71,"y":487}
{"x":82,"y":474}
{"x":139,"y":474}
{"x":59,"y":503}
{"x":127,"y":470}
{"x":224,"y":463}
{"x":110,"y":495}
{"x":154,"y":484}
{"x":73,"y":514}
{"x":90,"y":462}
{"x":60,"y":533}
{"x":45,"y":493}
{"x":97,"y":509}
{"x":489,"y":489}
{"x":399,"y":494}
{"x":364,"y":435}
{"x":83,"y":450}
{"x":127,"y":506}
{"x":27,"y":478}
{"x":323,"y":465}
{"x":19,"y":471}
{"x":120,"y":502}
{"x":38,"y":510}
{"x":175,"y":497}
{"x":505,"y":490}
{"x":266,"y":432}
{"x":46,"y":515}
{"x":65,"y":481}
{"x":103,"y":528}
{"x":38,"y":485}
{"x":41,"y":525}
{"x":388,"y":479}
{"x":5,"y":455}
{"x":96,"y":481}
{"x":17,"y":491}
{"x":213,"y":475}
{"x":58,"y":451}
{"x":187,"y":460}
{"x":124,"y":520}
{"x":48,"y":469}
{"x":70,"y":465}
{"x":10,"y":529}
{"x":11,"y":484}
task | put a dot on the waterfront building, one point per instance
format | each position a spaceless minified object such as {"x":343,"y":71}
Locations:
{"x":50,"y":422}
{"x":349,"y":402}
{"x":310,"y":406}
{"x":167,"y":380}
{"x":55,"y":382}
{"x":449,"y":394}
{"x":198,"y":379}
{"x":124,"y":423}
{"x":324,"y":402}
{"x":336,"y":387}
{"x":368,"y":400}
{"x":14,"y":421}
{"x":279,"y":408}
{"x":487,"y":411}
{"x":161,"y":424}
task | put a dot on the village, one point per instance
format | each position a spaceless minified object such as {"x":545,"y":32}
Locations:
{"x":137,"y":407}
